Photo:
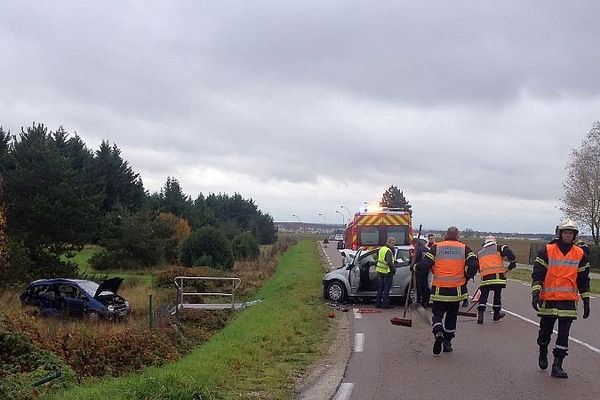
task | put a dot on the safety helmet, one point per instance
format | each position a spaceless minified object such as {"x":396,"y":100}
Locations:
{"x":489,"y":240}
{"x":568,"y":225}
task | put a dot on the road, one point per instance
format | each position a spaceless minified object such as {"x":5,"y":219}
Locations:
{"x":490,"y":361}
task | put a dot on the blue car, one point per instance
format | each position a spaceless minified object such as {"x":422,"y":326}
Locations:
{"x":76,"y":298}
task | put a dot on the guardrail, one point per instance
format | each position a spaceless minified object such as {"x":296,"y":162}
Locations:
{"x":182,"y":294}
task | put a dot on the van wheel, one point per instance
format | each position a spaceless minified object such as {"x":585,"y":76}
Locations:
{"x":336,"y":291}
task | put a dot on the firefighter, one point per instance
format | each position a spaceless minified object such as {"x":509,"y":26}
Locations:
{"x":448,"y":259}
{"x":430,"y":240}
{"x":560,"y":271}
{"x":385,"y":271}
{"x":422,"y":277}
{"x":492,"y":272}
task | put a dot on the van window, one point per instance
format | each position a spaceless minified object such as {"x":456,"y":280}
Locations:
{"x":369,"y":236}
{"x":399,"y":233}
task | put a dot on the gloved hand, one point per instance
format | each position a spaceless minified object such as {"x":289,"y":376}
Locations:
{"x":586,"y":307}
{"x":413,"y":268}
{"x":535,"y":300}
{"x":512,"y":266}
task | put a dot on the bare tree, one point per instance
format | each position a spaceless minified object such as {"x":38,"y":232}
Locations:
{"x":582,"y":186}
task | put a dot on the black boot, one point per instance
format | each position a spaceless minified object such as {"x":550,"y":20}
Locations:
{"x":437,"y":344}
{"x":480,"y":313}
{"x":447,"y":346}
{"x":543,"y":359}
{"x":557,"y":370}
{"x":498,"y":315}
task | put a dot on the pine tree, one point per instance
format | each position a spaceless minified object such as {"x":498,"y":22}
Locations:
{"x":394,"y":198}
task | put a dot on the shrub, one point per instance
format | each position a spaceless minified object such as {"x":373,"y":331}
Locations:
{"x":22,"y":364}
{"x":207,"y":247}
{"x":245,"y":247}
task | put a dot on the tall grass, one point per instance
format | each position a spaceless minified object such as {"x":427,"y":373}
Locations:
{"x":255,"y":356}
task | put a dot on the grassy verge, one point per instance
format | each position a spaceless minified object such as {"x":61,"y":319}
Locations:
{"x":524,"y":274}
{"x":256,"y":356}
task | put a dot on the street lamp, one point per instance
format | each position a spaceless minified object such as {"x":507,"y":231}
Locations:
{"x":348,"y":211}
{"x":343,"y":217}
{"x":324,"y":221}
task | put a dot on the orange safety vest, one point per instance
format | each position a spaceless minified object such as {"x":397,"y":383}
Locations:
{"x":449,"y":265}
{"x":561,"y":277}
{"x":490,"y":261}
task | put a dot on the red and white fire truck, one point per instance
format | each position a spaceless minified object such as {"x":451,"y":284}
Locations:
{"x":371,"y":227}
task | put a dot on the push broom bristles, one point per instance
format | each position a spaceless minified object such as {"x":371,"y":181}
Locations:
{"x":401,"y":321}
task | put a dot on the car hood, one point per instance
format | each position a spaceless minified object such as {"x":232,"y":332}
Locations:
{"x":109,"y":285}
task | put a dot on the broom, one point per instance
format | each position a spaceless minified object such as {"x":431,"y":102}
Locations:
{"x":408,"y":321}
{"x":475,"y":301}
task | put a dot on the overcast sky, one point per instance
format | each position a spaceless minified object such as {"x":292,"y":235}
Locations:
{"x":470,"y":107}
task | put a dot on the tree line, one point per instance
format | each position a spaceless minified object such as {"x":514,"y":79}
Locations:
{"x":58,"y":195}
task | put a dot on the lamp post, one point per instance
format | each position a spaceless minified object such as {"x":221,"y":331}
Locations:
{"x":298,"y":218}
{"x":343,"y":217}
{"x":324,"y":223}
{"x":348,"y":211}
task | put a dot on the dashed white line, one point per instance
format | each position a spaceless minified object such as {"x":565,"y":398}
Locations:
{"x":357,"y":315}
{"x":359,"y":342}
{"x":344,"y":391}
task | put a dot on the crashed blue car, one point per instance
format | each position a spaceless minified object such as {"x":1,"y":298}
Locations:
{"x":76,"y":298}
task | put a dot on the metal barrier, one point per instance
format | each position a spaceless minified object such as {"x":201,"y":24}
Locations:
{"x":182,"y":294}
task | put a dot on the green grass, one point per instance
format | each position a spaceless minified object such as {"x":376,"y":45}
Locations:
{"x":83,"y":257}
{"x":524,"y":274}
{"x":256,"y":356}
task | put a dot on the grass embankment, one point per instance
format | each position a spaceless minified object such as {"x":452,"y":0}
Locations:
{"x":256,"y":356}
{"x":524,"y":274}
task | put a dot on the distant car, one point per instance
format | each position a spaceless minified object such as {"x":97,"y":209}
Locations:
{"x":76,"y":298}
{"x":339,"y":236}
{"x":357,"y":277}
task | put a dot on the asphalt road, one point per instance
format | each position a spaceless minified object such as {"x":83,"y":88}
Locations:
{"x":490,"y":361}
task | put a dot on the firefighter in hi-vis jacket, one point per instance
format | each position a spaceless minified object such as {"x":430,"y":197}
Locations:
{"x":560,"y":271}
{"x":493,"y":278}
{"x":448,"y":260}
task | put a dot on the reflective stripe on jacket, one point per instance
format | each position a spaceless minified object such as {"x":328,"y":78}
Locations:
{"x":561,"y":278}
{"x":449,"y":266}
{"x":382,"y":265}
{"x":491,"y":266}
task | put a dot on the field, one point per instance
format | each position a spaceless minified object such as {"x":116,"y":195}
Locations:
{"x":258,"y":355}
{"x":101,"y":348}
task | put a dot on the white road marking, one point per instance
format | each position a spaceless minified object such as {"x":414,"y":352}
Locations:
{"x":359,"y":342}
{"x":344,"y":391}
{"x":581,"y":342}
{"x":357,"y":315}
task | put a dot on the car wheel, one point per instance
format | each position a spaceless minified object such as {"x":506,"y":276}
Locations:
{"x":336,"y":291}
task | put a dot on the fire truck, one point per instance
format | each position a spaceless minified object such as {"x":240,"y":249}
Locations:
{"x":372,"y":227}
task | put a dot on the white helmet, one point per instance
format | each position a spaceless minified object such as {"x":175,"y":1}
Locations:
{"x":568,"y":225}
{"x":489,"y":240}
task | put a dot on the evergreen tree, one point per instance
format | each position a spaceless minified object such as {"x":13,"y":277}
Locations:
{"x":394,"y":198}
{"x":49,"y":205}
{"x":116,"y":180}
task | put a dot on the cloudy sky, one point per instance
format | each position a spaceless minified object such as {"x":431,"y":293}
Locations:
{"x":470,"y":107}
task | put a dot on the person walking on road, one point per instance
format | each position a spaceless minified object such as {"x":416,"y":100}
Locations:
{"x":422,"y":276}
{"x":386,"y":261}
{"x":493,"y":278}
{"x":560,"y":271}
{"x":452,"y":263}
